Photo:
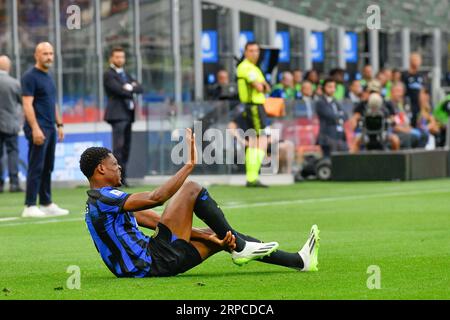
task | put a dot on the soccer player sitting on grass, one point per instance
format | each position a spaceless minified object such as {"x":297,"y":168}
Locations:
{"x":113,"y":217}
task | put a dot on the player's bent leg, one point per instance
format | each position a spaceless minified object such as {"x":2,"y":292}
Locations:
{"x":207,"y":209}
{"x":206,"y":248}
{"x":279,"y":257}
{"x":171,"y":255}
{"x":178,"y":214}
{"x":304,"y":260}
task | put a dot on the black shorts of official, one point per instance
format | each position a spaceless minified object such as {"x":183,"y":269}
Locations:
{"x":252,"y":116}
{"x":170,"y":255}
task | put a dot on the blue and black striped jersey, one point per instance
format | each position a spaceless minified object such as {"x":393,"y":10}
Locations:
{"x":122,"y":246}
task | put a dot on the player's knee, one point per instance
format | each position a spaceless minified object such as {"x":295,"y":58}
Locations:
{"x":193,"y":188}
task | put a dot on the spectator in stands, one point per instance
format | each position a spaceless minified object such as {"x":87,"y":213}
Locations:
{"x":381,"y":78}
{"x":355,"y":91}
{"x":385,"y":77}
{"x":441,"y":112}
{"x":10,"y":109}
{"x":285,"y":89}
{"x":396,"y":76}
{"x":353,"y":97}
{"x":313,"y":77}
{"x":388,"y":86}
{"x":298,"y":79}
{"x":372,"y":91}
{"x":305,"y":106}
{"x":331,"y":117}
{"x":308,"y":98}
{"x":425,"y":120}
{"x":223,"y":89}
{"x":414,"y":81}
{"x":338,"y":75}
{"x":367,"y":75}
{"x":409,"y":136}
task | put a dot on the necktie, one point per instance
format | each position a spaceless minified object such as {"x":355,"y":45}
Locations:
{"x":123,"y":76}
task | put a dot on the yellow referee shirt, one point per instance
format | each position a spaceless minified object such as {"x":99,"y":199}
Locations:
{"x":248,"y":73}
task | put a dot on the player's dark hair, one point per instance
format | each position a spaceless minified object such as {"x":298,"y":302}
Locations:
{"x":91,"y":158}
{"x":116,"y":49}
{"x":251,"y":43}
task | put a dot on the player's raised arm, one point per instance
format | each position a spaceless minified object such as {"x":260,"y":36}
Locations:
{"x":146,"y":200}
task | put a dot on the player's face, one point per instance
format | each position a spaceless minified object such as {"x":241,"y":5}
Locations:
{"x":112,"y":170}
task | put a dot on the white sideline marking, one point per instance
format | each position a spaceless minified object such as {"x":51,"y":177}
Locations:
{"x":250,"y":205}
{"x":8,"y":219}
{"x":331,"y":199}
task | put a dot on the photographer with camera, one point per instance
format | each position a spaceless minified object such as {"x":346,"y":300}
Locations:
{"x":371,"y":122}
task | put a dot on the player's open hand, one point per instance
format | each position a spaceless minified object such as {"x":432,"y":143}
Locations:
{"x":192,"y":149}
{"x":228,"y":242}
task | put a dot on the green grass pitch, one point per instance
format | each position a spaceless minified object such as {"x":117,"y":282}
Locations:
{"x":403,"y":228}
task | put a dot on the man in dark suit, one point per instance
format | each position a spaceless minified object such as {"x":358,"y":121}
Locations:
{"x":120,"y":88}
{"x":332,"y":117}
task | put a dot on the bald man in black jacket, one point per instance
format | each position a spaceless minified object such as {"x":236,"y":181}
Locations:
{"x":121,"y":89}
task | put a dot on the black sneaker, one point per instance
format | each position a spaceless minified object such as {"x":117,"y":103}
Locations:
{"x":256,"y":184}
{"x":15,"y":188}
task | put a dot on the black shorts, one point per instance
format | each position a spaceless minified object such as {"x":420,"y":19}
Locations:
{"x":251,"y":116}
{"x":170,"y":255}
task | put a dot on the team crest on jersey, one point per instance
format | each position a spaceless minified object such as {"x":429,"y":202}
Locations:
{"x":117,"y":193}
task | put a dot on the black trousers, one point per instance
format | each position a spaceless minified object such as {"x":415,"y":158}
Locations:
{"x":121,"y":140}
{"x":41,"y":161}
{"x":11,"y":142}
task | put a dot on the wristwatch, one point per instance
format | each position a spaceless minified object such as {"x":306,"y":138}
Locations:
{"x":59,"y":125}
